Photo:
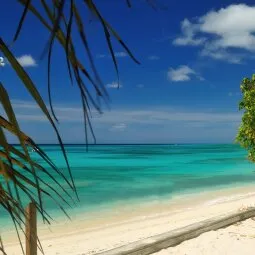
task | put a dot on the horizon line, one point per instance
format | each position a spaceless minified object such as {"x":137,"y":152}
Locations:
{"x":93,"y":144}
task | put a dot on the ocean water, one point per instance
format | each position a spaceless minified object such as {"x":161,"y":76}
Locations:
{"x":108,"y":175}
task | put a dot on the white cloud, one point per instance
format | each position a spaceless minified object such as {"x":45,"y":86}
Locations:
{"x":118,"y":127}
{"x":27,"y":61}
{"x":188,"y":30}
{"x":220,"y":32}
{"x":182,"y":73}
{"x":222,"y":54}
{"x":114,"y":85}
{"x":28,"y":111}
{"x":148,"y":125}
{"x":120,"y":54}
{"x":153,"y":57}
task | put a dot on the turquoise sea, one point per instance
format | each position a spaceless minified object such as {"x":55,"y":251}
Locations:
{"x":108,"y":175}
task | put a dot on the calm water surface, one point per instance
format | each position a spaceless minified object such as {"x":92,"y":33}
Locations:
{"x":110,"y":174}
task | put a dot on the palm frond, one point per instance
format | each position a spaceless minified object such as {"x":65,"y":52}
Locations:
{"x":22,"y":19}
{"x":22,"y":176}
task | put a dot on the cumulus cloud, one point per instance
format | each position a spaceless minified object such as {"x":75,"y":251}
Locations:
{"x":182,"y":73}
{"x":220,"y":32}
{"x":153,"y":57}
{"x":114,"y":85}
{"x":188,"y":38}
{"x":27,"y":61}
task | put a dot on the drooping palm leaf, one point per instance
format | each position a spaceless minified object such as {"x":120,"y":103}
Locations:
{"x":28,"y":83}
{"x":18,"y":170}
{"x":22,"y":19}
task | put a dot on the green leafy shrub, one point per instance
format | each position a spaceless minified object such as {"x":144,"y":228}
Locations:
{"x":246,"y":132}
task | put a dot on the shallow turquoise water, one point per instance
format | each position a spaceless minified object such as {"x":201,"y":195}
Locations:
{"x":110,"y":174}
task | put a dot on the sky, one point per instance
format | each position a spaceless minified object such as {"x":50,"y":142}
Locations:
{"x":193,"y":55}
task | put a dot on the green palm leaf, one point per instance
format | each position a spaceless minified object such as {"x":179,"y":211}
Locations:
{"x":20,"y":173}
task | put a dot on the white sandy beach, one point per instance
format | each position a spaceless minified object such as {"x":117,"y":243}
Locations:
{"x":131,"y":224}
{"x":236,"y":239}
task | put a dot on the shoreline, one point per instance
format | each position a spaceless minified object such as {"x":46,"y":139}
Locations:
{"x":103,"y":231}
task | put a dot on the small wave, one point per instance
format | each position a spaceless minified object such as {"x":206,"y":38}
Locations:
{"x":225,"y":199}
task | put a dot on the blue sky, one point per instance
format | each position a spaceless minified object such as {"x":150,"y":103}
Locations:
{"x":193,"y":57}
